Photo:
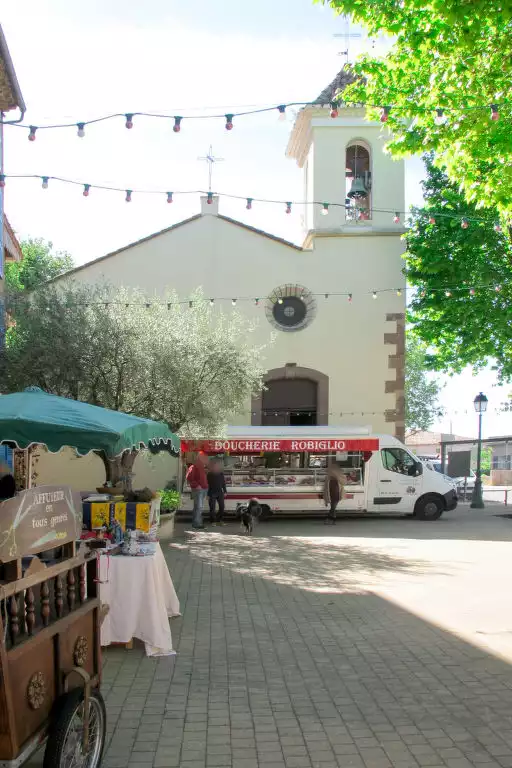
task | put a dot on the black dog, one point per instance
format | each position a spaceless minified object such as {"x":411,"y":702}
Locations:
{"x":249,"y":513}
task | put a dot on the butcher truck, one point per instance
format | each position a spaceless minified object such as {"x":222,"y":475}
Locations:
{"x":285,"y":468}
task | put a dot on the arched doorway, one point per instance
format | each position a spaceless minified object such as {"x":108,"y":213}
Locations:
{"x":290,"y":402}
{"x":293,"y":396}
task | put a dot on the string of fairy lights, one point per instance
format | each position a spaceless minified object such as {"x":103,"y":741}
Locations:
{"x":304,"y":411}
{"x":440,"y":115}
{"x":448,"y":292}
{"x":359,"y":213}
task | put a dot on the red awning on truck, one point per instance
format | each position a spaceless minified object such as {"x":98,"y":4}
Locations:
{"x":251,"y":445}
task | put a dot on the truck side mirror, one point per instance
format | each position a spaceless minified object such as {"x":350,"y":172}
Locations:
{"x":419,"y":468}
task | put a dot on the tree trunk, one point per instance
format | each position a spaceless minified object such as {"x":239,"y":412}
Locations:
{"x":118,"y":471}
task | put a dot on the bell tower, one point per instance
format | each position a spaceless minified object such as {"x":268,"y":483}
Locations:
{"x":353,"y":190}
{"x":350,"y":183}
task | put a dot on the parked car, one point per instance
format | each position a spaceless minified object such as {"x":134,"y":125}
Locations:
{"x":465,"y":482}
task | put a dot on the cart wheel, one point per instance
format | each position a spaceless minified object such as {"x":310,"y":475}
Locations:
{"x":64,"y":747}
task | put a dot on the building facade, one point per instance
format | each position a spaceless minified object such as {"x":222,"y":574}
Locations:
{"x":10,"y":99}
{"x":335,"y":359}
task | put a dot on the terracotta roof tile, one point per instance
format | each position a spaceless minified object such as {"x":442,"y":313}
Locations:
{"x":345,"y":77}
{"x":10,"y":94}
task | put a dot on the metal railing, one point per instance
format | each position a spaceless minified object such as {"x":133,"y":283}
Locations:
{"x":503,"y":495}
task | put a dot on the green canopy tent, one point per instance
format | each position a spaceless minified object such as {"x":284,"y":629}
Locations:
{"x":35,"y":417}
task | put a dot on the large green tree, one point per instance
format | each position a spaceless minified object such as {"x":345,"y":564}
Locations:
{"x":463,"y":278}
{"x":190,"y":366}
{"x":422,"y":391}
{"x":451,"y":55}
{"x":39,"y":264}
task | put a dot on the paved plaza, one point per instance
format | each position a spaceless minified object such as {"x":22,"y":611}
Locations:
{"x":376,"y":643}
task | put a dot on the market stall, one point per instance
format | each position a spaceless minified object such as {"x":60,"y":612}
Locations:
{"x":285,"y":467}
{"x":120,"y":524}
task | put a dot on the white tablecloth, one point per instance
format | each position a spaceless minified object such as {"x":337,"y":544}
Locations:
{"x":141,"y":597}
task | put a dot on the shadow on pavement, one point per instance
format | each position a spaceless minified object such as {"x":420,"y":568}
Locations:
{"x":312,"y":562}
{"x":354,"y":677}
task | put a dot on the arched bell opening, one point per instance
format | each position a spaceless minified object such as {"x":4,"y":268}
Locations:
{"x":358,"y":181}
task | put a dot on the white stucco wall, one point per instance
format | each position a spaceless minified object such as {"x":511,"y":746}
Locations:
{"x":345,"y":341}
{"x":86,"y":473}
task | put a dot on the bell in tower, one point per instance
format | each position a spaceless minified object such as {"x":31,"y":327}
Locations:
{"x":357,"y":190}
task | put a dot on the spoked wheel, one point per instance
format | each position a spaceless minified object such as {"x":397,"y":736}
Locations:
{"x":65,"y":739}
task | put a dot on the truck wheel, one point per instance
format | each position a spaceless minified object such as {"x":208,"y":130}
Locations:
{"x":429,"y":507}
{"x":266,"y":512}
{"x":64,"y":746}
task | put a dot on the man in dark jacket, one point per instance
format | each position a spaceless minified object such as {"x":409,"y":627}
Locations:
{"x":216,"y":492}
{"x":196,"y":477}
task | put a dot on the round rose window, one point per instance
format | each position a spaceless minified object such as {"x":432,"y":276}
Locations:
{"x":291,"y":307}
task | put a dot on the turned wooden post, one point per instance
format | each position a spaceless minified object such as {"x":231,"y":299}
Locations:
{"x":71,"y":589}
{"x":82,"y":589}
{"x":45,"y":603}
{"x":14,"y":622}
{"x":59,"y":596}
{"x":30,"y":610}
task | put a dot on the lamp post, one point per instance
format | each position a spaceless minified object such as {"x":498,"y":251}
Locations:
{"x":477,"y":501}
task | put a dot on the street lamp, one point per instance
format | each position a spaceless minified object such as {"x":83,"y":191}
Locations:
{"x":477,"y":502}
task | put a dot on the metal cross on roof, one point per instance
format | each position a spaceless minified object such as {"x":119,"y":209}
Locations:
{"x":211,"y":160}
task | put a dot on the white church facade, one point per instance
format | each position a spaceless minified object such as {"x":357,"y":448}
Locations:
{"x":334,"y":360}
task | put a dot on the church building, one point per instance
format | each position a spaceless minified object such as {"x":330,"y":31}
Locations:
{"x":335,"y":359}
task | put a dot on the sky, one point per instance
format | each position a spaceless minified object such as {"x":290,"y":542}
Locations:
{"x":76,"y":61}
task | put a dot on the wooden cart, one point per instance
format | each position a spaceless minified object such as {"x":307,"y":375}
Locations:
{"x":50,"y":657}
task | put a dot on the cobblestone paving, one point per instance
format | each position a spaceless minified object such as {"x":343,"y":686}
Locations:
{"x":285,"y":661}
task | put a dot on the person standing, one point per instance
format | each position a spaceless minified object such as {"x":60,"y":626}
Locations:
{"x":7,"y":483}
{"x":197,"y":480}
{"x":216,"y":492}
{"x":333,"y":491}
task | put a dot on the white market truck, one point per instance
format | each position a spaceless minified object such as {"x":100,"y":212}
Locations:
{"x":285,"y":468}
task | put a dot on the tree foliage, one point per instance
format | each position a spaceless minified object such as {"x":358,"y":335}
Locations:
{"x":461,"y":308}
{"x":422,"y":406}
{"x":38,"y":265}
{"x":189,"y":367}
{"x":450,"y":54}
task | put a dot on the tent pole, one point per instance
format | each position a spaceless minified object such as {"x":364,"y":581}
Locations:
{"x":28,"y":465}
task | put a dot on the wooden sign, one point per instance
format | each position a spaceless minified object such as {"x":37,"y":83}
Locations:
{"x":39,"y":519}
